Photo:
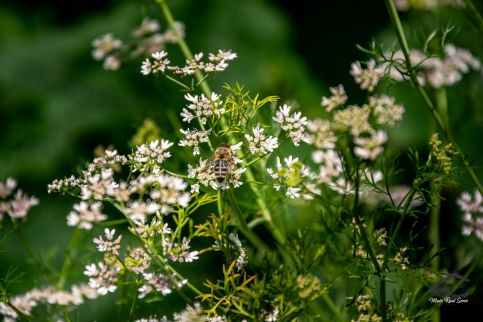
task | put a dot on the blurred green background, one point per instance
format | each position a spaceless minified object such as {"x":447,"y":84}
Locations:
{"x":57,"y":104}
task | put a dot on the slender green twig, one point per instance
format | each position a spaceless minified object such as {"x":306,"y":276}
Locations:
{"x":427,"y":101}
{"x":265,"y":212}
{"x":365,"y":238}
{"x":474,"y":16}
{"x":74,"y":240}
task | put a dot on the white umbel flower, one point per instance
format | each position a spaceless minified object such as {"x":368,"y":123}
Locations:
{"x":259,"y":143}
{"x":194,"y":138}
{"x":293,"y":124}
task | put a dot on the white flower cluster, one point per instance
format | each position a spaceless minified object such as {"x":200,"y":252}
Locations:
{"x":49,"y":295}
{"x":85,"y":215}
{"x":102,"y":277}
{"x":155,"y":282}
{"x":157,"y":65}
{"x":216,"y":63}
{"x":386,"y":111}
{"x":260,"y":143}
{"x":368,"y":140}
{"x":202,"y":107}
{"x":293,"y":124}
{"x":150,"y":156}
{"x":179,"y":252}
{"x":470,"y":206}
{"x":194,"y":138}
{"x":146,"y":40}
{"x":436,"y":71}
{"x":137,"y":260}
{"x":108,"y":245}
{"x":19,"y":205}
{"x":338,"y":98}
{"x":106,"y":48}
{"x":152,"y":230}
{"x":165,"y":193}
{"x":295,"y":176}
{"x":368,"y":77}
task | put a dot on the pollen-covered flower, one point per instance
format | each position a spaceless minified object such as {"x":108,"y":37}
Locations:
{"x":85,"y":215}
{"x":355,"y":118}
{"x":295,"y":176}
{"x":105,"y":45}
{"x":157,"y":65}
{"x":293,"y":124}
{"x":321,"y":134}
{"x":442,"y":153}
{"x":102,"y":277}
{"x":387,"y":112}
{"x":137,"y":260}
{"x":150,"y":155}
{"x":259,"y":143}
{"x":202,"y":107}
{"x":370,"y":147}
{"x":194,"y":138}
{"x":338,"y":98}
{"x":108,"y":245}
{"x":369,"y":77}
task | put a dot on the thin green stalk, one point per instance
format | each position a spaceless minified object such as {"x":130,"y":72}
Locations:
{"x":427,"y":101}
{"x":474,"y":16}
{"x":207,"y":91}
{"x":370,"y":251}
{"x":332,"y":307}
{"x":187,"y":53}
{"x":246,"y":231}
{"x":74,"y":240}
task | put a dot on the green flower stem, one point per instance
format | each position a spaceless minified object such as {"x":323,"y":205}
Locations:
{"x":207,"y":91}
{"x":427,"y":101}
{"x":74,"y":240}
{"x":246,"y":231}
{"x":370,"y":251}
{"x":474,"y":16}
{"x":332,"y":307}
{"x":187,"y":53}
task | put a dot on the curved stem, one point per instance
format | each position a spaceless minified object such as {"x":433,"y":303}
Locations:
{"x":427,"y":101}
